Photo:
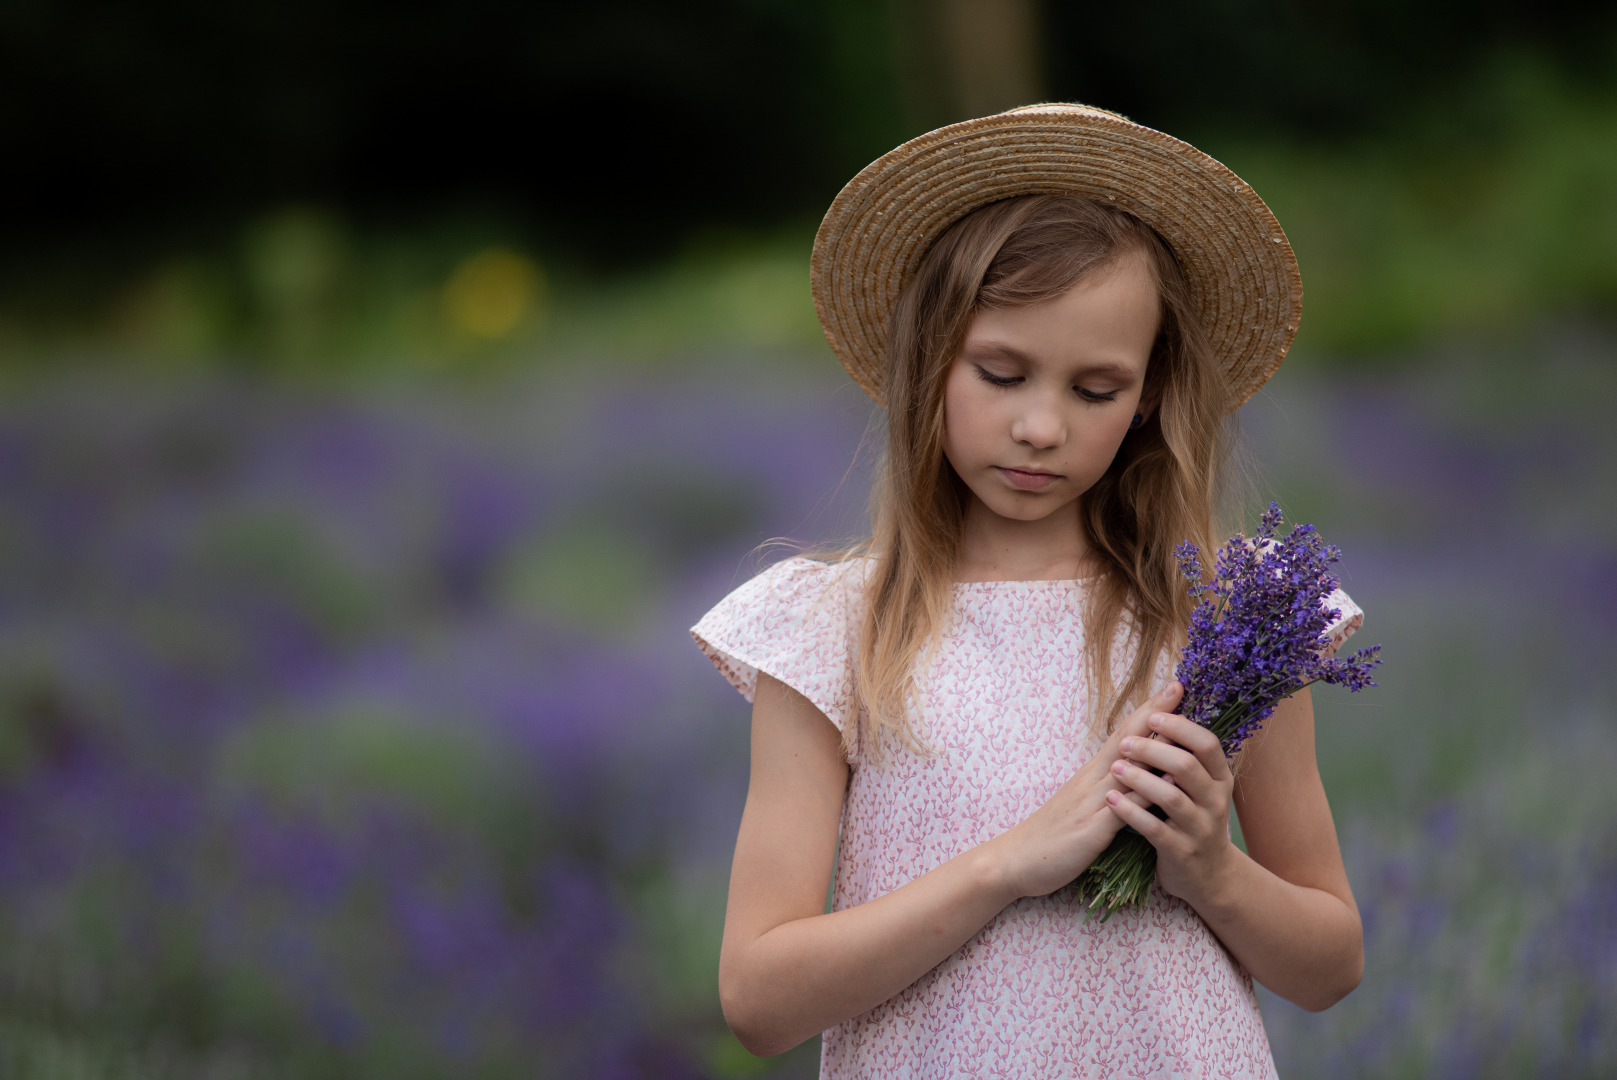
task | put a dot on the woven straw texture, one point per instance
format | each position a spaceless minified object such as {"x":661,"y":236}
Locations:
{"x":1241,"y":269}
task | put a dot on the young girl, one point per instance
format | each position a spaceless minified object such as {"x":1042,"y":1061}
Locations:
{"x":1057,"y":308}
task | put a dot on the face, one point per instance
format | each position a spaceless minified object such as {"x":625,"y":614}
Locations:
{"x":1040,"y":397}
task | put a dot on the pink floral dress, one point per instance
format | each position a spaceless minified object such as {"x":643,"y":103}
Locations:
{"x":1038,"y":992}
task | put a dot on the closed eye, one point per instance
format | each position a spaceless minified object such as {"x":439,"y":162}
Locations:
{"x":997,"y":380}
{"x":1091,"y":395}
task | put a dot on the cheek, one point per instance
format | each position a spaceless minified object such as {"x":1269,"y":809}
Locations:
{"x":1117,"y":427}
{"x":1104,"y":438}
{"x":964,"y":416}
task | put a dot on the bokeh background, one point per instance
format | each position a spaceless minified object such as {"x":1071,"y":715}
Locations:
{"x":386,"y":387}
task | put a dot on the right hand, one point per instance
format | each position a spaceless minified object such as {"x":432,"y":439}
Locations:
{"x":1059,"y":840}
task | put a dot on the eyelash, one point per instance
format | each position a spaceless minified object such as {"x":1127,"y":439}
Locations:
{"x":1001,"y":381}
{"x":1004,"y":382}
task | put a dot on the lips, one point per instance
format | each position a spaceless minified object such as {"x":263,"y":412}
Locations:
{"x":1027,"y":479}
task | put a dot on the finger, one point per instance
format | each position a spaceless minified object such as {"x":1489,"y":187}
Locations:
{"x":1143,"y":821}
{"x":1123,"y":789}
{"x":1163,"y":701}
{"x":1159,"y":754}
{"x":1195,"y":738}
{"x":1133,"y":796}
{"x":1118,"y":786}
{"x":1173,"y":799}
{"x":1179,"y":766}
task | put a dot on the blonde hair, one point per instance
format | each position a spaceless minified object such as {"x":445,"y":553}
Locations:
{"x":1160,"y":489}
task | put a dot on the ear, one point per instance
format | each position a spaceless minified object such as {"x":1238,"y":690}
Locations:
{"x":1150,"y":398}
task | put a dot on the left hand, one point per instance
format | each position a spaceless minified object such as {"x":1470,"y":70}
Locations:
{"x":1193,"y":843}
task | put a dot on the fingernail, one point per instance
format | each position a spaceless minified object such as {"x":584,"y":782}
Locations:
{"x":1156,"y":719}
{"x":1127,"y":743}
{"x":1120,"y":768}
{"x":1112,"y":797}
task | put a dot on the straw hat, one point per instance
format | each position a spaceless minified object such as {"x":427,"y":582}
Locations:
{"x":1241,"y":269}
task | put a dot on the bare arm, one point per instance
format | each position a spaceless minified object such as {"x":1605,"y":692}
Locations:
{"x":787,"y":970}
{"x":1285,"y":910}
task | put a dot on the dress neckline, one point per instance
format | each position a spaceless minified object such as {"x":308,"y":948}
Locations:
{"x":1030,"y":585}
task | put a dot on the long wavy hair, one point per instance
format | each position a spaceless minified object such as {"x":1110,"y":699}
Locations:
{"x":1161,"y":488}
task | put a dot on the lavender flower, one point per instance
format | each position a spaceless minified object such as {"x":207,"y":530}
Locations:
{"x":1258,"y":632}
{"x":1257,"y":635}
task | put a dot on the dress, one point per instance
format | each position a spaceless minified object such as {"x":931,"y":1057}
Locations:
{"x":1037,"y":992}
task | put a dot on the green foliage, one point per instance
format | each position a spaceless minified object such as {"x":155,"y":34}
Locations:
{"x":1402,"y":242}
{"x":586,"y":575}
{"x":1447,"y":227}
{"x":284,"y":555}
{"x":327,"y":765}
{"x":35,"y":1050}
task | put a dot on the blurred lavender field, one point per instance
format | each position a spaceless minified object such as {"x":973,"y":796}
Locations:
{"x":358,"y":733}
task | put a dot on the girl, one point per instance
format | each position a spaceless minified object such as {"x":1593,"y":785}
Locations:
{"x":1057,"y":309}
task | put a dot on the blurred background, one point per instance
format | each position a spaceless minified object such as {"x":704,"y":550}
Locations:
{"x":387,"y":387}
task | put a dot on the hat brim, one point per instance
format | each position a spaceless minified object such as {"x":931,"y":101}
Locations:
{"x":1241,"y":269}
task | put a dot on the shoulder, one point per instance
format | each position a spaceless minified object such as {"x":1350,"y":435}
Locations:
{"x":1343,"y":618}
{"x":797,"y":621}
{"x":799,"y":589}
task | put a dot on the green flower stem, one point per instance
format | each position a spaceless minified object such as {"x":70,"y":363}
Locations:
{"x":1120,"y":877}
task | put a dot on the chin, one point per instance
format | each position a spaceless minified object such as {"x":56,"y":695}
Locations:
{"x":1028,"y":509}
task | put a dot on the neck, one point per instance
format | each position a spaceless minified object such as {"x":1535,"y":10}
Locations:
{"x":995,"y":548}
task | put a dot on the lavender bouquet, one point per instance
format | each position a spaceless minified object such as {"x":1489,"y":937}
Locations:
{"x":1257,"y":635}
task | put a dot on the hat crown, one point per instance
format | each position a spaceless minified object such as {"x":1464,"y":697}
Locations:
{"x":1060,"y":108}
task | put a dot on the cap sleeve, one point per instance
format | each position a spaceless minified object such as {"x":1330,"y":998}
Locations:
{"x":1349,"y":617}
{"x":796,"y":621}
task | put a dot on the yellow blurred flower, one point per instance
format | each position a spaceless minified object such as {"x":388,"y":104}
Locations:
{"x":492,"y":292}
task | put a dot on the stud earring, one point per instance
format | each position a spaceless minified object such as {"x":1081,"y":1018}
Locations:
{"x":1137,"y":421}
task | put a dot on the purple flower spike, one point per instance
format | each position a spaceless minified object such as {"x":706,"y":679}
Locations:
{"x":1257,"y":635}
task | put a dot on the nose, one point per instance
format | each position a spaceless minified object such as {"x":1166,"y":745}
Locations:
{"x":1039,"y":425}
